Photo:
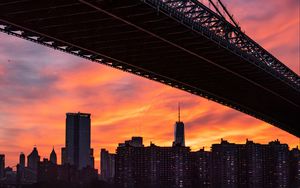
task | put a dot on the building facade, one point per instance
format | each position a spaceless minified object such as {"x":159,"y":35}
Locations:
{"x":225,"y":165}
{"x":77,"y":151}
{"x":276,"y":168}
{"x":251,"y":165}
{"x":201,"y":168}
{"x":152,"y":166}
{"x":107,"y":165}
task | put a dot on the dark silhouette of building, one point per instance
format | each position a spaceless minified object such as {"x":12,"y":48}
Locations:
{"x":22,"y":160}
{"x":33,"y":159}
{"x":67,"y":173}
{"x":2,"y":165}
{"x":225,"y":165}
{"x":152,"y":166}
{"x":295,"y":167}
{"x":276,"y":165}
{"x":53,"y":157}
{"x":21,"y":169}
{"x":10,"y":177}
{"x":77,"y":151}
{"x":130,"y":161}
{"x":251,"y":163}
{"x":107,"y":165}
{"x":201,"y":168}
{"x":135,"y":141}
{"x":174,"y":166}
{"x":47,"y":171}
{"x":179,"y":139}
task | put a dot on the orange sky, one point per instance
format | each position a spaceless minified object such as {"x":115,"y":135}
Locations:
{"x":39,"y":85}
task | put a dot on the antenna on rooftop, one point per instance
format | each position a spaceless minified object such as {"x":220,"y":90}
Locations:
{"x":179,"y":112}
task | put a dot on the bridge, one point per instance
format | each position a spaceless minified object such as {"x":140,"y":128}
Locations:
{"x":180,"y":43}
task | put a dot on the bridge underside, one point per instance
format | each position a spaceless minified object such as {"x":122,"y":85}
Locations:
{"x":136,"y":37}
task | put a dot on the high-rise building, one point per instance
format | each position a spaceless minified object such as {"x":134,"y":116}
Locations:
{"x":151,"y":167}
{"x":53,"y":157}
{"x":107,"y":165}
{"x":251,"y":161}
{"x":131,"y":164}
{"x":22,"y":160}
{"x":21,"y":169}
{"x":30,"y":173}
{"x":179,"y":139}
{"x":77,"y":151}
{"x":2,"y":165}
{"x":181,"y":166}
{"x":33,"y":159}
{"x":201,"y":168}
{"x":225,"y":165}
{"x":295,"y":167}
{"x":251,"y":165}
{"x":276,"y":165}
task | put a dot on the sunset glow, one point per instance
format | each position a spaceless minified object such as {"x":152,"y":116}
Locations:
{"x":39,"y":85}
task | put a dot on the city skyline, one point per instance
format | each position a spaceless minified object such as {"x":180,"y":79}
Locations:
{"x":31,"y":115}
{"x":134,"y":164}
{"x":79,"y":124}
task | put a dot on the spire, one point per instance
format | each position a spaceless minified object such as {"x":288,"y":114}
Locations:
{"x":53,"y":151}
{"x":178,"y":111}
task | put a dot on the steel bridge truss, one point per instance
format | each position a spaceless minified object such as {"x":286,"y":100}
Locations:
{"x":56,"y":44}
{"x":198,"y":17}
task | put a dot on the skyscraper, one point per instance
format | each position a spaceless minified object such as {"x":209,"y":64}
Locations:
{"x":179,"y":131}
{"x":21,"y":169}
{"x":2,"y":165}
{"x":33,"y":159}
{"x":22,"y":160}
{"x":53,"y":157}
{"x":78,"y":140}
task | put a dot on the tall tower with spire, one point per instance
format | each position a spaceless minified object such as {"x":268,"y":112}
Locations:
{"x":179,"y":139}
{"x":53,"y":157}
